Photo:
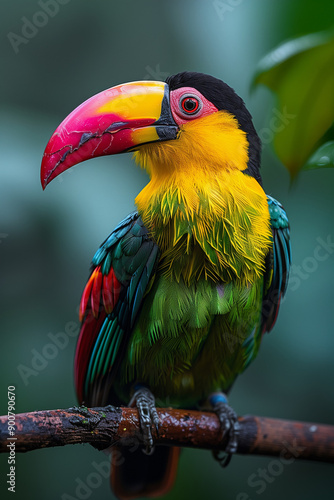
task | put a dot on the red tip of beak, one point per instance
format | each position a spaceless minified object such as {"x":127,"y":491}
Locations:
{"x":71,"y":144}
{"x":107,"y":124}
{"x":86,"y":133}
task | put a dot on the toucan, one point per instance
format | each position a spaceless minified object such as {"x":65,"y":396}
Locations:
{"x":183,"y":289}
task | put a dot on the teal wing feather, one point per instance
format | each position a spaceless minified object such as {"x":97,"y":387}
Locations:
{"x":277,"y":265}
{"x":122,"y":270}
{"x":278,"y":262}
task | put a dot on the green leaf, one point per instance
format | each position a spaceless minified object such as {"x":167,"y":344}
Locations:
{"x":301,"y":72}
{"x":322,"y":158}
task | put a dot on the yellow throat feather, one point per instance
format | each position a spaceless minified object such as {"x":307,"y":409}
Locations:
{"x":199,"y":205}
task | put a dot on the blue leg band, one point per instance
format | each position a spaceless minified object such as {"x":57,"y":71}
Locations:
{"x":218,"y":397}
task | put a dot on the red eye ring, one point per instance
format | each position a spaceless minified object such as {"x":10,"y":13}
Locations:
{"x":190,"y":104}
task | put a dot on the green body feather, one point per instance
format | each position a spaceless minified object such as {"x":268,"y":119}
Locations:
{"x":199,"y":324}
{"x":191,"y":310}
{"x":190,"y":340}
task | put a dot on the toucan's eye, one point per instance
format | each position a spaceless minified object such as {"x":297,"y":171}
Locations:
{"x":190,"y":104}
{"x":187,"y":104}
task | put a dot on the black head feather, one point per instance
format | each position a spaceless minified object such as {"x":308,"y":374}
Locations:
{"x":224,"y":98}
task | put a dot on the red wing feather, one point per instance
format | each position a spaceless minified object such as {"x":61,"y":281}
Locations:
{"x":85,"y":297}
{"x":110,"y":290}
{"x":95,"y":297}
{"x":87,"y":337}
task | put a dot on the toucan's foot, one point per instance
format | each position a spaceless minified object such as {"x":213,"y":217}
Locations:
{"x":144,"y":400}
{"x":229,"y":424}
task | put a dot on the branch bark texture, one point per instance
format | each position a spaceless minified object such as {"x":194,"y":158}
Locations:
{"x":102,"y":427}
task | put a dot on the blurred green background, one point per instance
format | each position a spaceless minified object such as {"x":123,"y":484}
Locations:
{"x":47,"y":239}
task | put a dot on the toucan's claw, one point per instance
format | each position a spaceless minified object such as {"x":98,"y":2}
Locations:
{"x":229,"y":424}
{"x":144,"y":400}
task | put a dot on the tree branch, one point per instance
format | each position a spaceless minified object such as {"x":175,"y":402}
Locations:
{"x":102,"y":427}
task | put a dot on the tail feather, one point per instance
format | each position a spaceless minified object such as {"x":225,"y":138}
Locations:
{"x":135,"y":475}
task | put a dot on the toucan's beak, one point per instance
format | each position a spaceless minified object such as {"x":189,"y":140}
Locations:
{"x":115,"y":120}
